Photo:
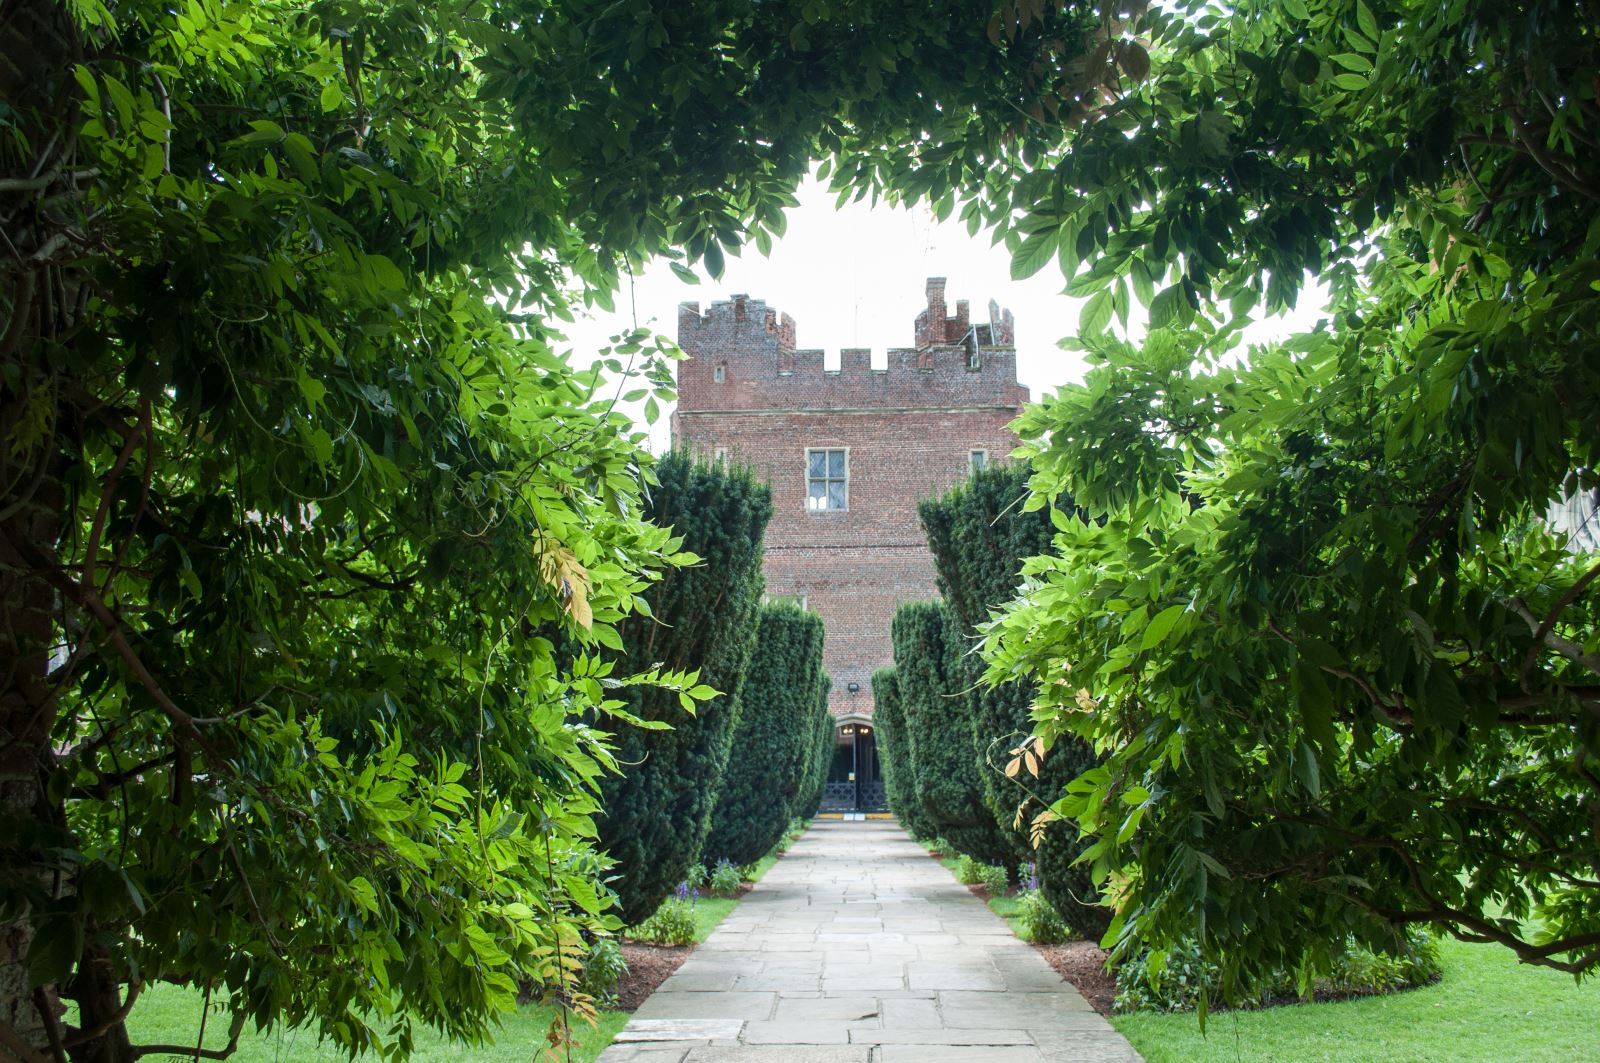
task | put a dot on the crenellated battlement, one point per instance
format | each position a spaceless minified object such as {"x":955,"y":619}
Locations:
{"x":743,"y":355}
{"x":741,"y":315}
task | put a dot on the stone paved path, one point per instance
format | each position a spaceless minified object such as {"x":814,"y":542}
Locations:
{"x":858,"y":948}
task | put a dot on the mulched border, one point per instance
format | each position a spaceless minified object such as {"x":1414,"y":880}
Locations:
{"x":648,"y":967}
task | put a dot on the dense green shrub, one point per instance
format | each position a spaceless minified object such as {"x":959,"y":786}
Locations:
{"x":1040,"y":923}
{"x":993,"y":878}
{"x":603,"y":968}
{"x":775,"y":740}
{"x":1177,"y":982}
{"x":672,"y":923}
{"x":966,"y":870}
{"x":894,"y":754}
{"x":725,"y":879}
{"x":979,"y":536}
{"x":656,"y":814}
{"x":810,"y":798}
{"x":941,"y":734}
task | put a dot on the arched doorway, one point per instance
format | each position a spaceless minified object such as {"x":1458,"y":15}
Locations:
{"x":855,"y":783}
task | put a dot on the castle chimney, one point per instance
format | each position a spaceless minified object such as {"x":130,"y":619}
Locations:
{"x":936,"y":319}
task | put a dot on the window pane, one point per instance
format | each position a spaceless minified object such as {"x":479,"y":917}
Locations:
{"x":835,"y":494}
{"x":818,"y":459}
{"x":817,"y":491}
{"x":836,"y":464}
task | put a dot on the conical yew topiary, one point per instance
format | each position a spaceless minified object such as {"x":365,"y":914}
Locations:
{"x":656,"y":814}
{"x":775,"y":743}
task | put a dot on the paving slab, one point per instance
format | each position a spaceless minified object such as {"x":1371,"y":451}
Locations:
{"x":858,"y":948}
{"x":658,"y":1030}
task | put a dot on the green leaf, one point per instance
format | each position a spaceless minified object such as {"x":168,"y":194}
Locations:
{"x":1164,"y":308}
{"x":713,"y":260}
{"x":313,"y":390}
{"x":1161,"y":625}
{"x":321,"y":446}
{"x":1307,"y":769}
{"x":1095,"y":315}
{"x":1031,"y":255}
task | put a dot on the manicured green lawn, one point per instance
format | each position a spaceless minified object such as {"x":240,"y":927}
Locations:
{"x":708,"y":912}
{"x":171,"y":1015}
{"x":1487,"y":1008}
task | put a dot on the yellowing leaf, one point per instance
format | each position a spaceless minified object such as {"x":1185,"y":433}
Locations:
{"x":569,"y":579}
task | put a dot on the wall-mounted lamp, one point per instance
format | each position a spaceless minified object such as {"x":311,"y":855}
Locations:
{"x":866,"y":730}
{"x":848,"y":729}
{"x":854,"y":688}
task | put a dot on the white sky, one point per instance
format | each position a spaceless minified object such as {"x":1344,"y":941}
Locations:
{"x":855,"y":277}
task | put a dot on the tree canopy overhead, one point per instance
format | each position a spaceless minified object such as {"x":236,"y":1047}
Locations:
{"x":298,"y":478}
{"x":1344,"y":675}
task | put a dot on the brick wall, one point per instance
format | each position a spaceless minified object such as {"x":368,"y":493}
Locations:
{"x":908,"y":430}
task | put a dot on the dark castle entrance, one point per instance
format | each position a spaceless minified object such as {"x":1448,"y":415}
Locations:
{"x":855,"y":783}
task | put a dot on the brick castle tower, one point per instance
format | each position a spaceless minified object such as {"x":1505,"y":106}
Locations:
{"x":848,"y":454}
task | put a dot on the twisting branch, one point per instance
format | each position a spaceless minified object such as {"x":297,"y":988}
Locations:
{"x":1561,"y":645}
{"x":1548,"y":624}
{"x":81,"y":1037}
{"x":235,"y":1028}
{"x":1464,"y":925}
{"x":90,"y":599}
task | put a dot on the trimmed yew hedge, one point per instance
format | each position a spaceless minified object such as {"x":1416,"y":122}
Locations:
{"x":822,"y":726}
{"x":774,"y":745}
{"x":656,"y":814}
{"x":980,"y":535}
{"x":940,"y":730}
{"x":894,"y":754}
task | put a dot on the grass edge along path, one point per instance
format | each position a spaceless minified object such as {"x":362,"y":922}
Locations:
{"x":1486,"y":1008}
{"x":169,"y":1014}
